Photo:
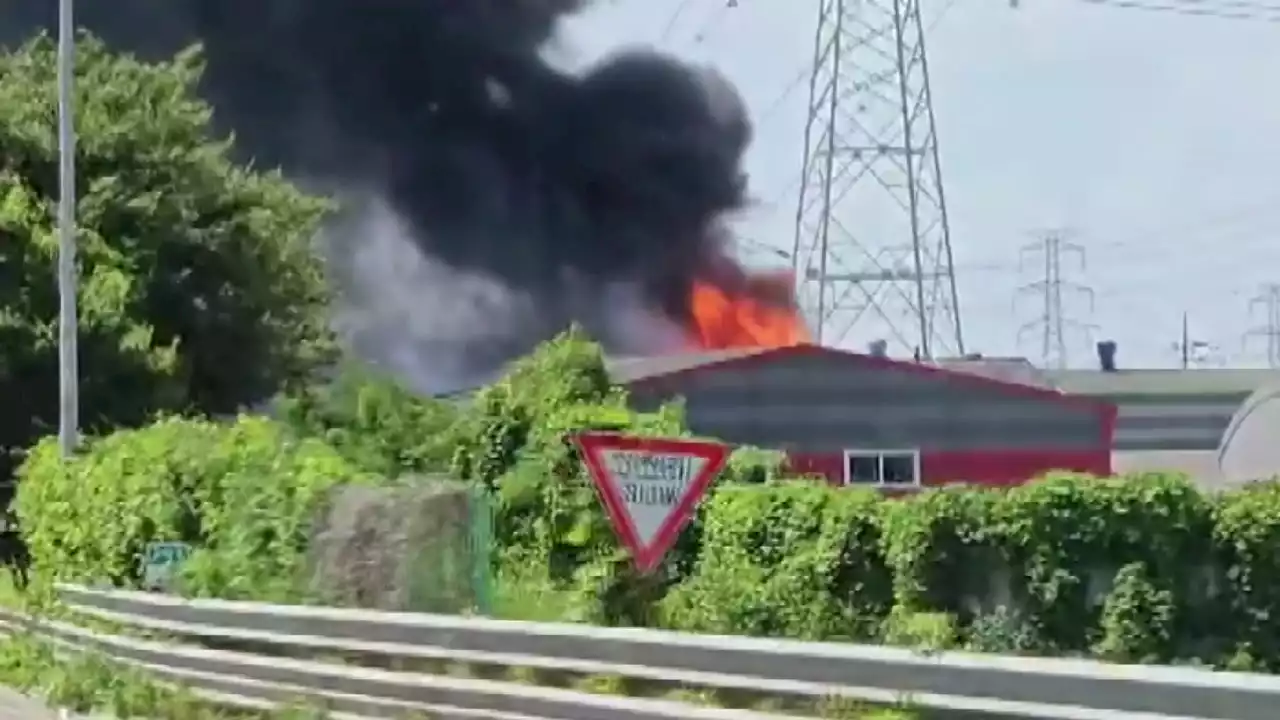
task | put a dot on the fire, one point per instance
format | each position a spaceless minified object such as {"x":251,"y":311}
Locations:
{"x":760,"y":311}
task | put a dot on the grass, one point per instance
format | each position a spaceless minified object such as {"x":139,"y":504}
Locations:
{"x":89,"y":682}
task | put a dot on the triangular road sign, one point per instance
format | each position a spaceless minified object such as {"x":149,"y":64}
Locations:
{"x":650,"y":486}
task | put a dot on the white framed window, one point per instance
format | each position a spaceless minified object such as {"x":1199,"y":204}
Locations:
{"x":882,"y":468}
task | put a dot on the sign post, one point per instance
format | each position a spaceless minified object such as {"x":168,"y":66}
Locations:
{"x":649,"y":486}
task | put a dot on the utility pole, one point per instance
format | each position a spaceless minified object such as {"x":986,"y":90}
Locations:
{"x":68,"y":324}
{"x":872,"y":253}
{"x":1184,"y":344}
{"x":1053,"y":321}
{"x":1268,"y":298}
{"x":1191,"y":352}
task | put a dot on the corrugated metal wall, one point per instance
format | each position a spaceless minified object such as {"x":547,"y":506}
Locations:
{"x":1168,"y":409}
{"x":1173,"y":422}
{"x":825,"y":402}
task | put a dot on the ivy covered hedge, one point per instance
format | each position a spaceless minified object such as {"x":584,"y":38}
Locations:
{"x":1143,"y":568}
{"x":243,"y":494}
{"x":1140,"y":568}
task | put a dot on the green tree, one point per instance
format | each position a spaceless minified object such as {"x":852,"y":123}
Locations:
{"x":374,"y":421}
{"x":199,"y":290}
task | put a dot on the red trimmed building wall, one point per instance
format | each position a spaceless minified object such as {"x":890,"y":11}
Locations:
{"x":816,"y":403}
{"x":985,"y":467}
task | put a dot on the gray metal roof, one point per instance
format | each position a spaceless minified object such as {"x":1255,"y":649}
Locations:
{"x":625,"y":370}
{"x":1209,"y":381}
{"x":1155,"y":382}
{"x":1005,"y":369}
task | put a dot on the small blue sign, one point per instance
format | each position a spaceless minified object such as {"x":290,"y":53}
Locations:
{"x":160,"y":564}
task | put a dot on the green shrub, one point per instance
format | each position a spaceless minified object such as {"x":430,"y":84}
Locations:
{"x":567,"y":374}
{"x":1066,"y":536}
{"x":795,"y":560}
{"x":1139,"y":568}
{"x":1001,"y":630}
{"x":375,"y":422}
{"x":923,"y":631}
{"x":939,"y":548}
{"x":1246,"y":535}
{"x":1137,"y":623}
{"x":243,"y":494}
{"x":754,"y":466}
{"x":90,"y":518}
{"x":550,"y":517}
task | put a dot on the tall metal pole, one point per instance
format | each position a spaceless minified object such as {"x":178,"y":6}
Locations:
{"x":1186,"y":342}
{"x":68,"y":372}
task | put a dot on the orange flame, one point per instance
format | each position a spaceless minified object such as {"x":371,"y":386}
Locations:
{"x":760,"y":313}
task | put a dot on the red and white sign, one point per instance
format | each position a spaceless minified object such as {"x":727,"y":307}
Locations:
{"x":650,"y":486}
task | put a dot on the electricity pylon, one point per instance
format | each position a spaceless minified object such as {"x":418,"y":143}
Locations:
{"x":872,"y":252}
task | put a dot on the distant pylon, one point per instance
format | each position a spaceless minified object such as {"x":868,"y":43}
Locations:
{"x":872,"y":251}
{"x":1269,"y":299}
{"x":1053,"y":321}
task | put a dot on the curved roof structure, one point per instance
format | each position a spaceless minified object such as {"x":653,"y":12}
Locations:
{"x":1250,"y":448}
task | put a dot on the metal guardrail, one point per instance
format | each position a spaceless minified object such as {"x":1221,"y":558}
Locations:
{"x":207,"y":647}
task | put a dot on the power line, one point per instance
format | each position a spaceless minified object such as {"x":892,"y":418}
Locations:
{"x":937,"y":18}
{"x":1269,"y":299}
{"x":714,"y":19}
{"x":779,"y":101}
{"x":1053,"y":320}
{"x":674,"y":19}
{"x":747,"y":244}
{"x":1216,"y":9}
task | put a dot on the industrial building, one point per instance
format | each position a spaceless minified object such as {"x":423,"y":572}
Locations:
{"x":1167,"y":409}
{"x":1019,"y":420}
{"x":861,"y":419}
{"x":1177,"y":419}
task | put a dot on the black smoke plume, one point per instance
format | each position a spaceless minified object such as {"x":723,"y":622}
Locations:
{"x":532,"y":196}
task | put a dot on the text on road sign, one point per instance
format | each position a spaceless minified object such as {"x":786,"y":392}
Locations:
{"x":648,"y":479}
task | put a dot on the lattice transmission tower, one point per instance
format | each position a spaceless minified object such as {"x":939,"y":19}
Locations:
{"x":1053,"y":321}
{"x":872,"y":253}
{"x":1269,"y":299}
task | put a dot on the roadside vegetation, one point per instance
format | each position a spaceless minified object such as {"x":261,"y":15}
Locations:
{"x":201,"y":298}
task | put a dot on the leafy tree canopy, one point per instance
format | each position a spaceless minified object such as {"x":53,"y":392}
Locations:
{"x":199,"y":290}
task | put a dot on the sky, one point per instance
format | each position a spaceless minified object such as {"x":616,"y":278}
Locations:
{"x":1148,"y":139}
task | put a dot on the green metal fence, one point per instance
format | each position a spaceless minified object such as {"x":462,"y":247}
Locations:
{"x":482,"y":549}
{"x":451,"y":569}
